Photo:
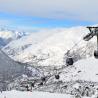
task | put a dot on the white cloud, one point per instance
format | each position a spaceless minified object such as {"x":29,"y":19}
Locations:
{"x":86,"y":10}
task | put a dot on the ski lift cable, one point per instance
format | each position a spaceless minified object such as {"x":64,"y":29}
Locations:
{"x":85,"y":51}
{"x":73,"y":48}
{"x":75,"y":45}
{"x":57,"y":70}
{"x":69,"y":59}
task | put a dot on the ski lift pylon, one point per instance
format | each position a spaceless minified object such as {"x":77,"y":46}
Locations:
{"x":93,"y":32}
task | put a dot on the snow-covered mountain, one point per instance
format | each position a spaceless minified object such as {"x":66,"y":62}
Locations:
{"x":47,"y":51}
{"x":7,"y":35}
{"x":49,"y":46}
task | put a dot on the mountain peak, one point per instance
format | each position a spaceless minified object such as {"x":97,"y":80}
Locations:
{"x":7,"y":35}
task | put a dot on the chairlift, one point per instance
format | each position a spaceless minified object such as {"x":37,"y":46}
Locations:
{"x":43,"y":79}
{"x":69,"y":61}
{"x":32,"y":84}
{"x":96,"y":54}
{"x":40,"y":84}
{"x":57,"y":76}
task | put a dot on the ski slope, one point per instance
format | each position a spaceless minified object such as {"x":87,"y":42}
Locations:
{"x":89,"y":69}
{"x":86,"y":70}
{"x":17,"y":94}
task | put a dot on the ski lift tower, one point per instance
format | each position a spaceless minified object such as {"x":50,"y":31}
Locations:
{"x":93,"y":32}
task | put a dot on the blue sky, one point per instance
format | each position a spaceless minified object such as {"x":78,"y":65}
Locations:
{"x":30,"y":22}
{"x":33,"y":14}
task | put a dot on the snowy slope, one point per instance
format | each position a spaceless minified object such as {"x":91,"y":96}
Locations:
{"x":47,"y":47}
{"x":8,"y":65}
{"x":86,"y":69}
{"x":9,"y":70}
{"x":17,"y":94}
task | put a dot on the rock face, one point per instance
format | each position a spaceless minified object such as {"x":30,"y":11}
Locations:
{"x":9,"y":69}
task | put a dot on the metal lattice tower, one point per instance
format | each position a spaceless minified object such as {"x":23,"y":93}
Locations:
{"x":93,"y":32}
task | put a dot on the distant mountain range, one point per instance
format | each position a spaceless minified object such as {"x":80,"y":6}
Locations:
{"x":7,"y":35}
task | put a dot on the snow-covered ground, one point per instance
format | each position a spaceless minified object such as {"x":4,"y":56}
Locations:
{"x":83,"y":73}
{"x":86,"y":69}
{"x":17,"y":94}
